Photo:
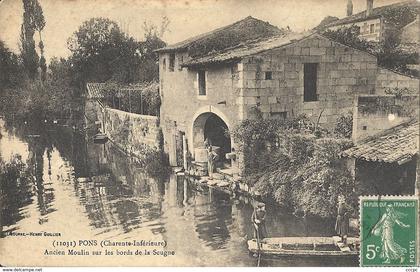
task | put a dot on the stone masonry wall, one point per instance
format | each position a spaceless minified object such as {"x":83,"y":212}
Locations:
{"x":181,"y":103}
{"x":365,"y":32}
{"x":131,"y":130}
{"x":387,"y":79}
{"x":343,"y":73}
{"x":128,"y":130}
{"x":375,"y":113}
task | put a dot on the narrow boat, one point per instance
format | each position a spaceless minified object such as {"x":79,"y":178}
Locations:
{"x":100,"y":138}
{"x":305,"y":246}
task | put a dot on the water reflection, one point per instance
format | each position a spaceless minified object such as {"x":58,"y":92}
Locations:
{"x":106,"y":195}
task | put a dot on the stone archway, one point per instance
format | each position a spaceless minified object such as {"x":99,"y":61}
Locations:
{"x":212,"y":126}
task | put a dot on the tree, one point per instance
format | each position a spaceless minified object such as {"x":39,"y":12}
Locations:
{"x":39,"y":22}
{"x":27,"y":43}
{"x":10,"y":70}
{"x":60,"y":88}
{"x":102,"y":52}
{"x":96,"y":48}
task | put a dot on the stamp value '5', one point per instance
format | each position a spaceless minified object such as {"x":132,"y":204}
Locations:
{"x":388,"y":231}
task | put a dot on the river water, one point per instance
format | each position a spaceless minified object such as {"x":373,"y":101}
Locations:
{"x":89,"y":191}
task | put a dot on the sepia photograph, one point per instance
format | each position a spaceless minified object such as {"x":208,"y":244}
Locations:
{"x":209,"y":133}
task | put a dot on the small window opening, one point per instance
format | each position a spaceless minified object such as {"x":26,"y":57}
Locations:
{"x":269,"y":75}
{"x":310,"y":71}
{"x":171,"y":62}
{"x":180,"y":61}
{"x":372,"y":28}
{"x":202,"y":83}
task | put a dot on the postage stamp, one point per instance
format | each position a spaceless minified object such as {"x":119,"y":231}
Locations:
{"x":388,"y":231}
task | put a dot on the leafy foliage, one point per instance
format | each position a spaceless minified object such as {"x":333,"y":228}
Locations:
{"x":10,"y":70}
{"x":349,"y":36}
{"x":27,"y":43}
{"x":15,"y":187}
{"x":344,"y":126}
{"x":28,"y":99}
{"x":102,"y":52}
{"x":295,"y":163}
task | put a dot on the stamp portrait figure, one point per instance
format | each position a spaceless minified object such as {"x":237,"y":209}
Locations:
{"x":390,"y":250}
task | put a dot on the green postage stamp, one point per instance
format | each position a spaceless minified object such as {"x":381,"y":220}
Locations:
{"x":388,"y":231}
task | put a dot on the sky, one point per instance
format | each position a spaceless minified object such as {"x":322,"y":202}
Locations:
{"x":187,"y":17}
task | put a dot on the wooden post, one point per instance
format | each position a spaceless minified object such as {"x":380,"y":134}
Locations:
{"x":184,"y":151}
{"x":141,"y":103}
{"x":129,"y":100}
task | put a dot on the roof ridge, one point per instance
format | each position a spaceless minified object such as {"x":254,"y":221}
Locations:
{"x":243,"y":44}
{"x":184,"y":43}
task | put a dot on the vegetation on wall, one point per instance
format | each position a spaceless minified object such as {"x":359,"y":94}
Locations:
{"x":296,"y":163}
{"x":389,"y":104}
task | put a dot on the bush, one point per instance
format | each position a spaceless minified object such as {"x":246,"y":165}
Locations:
{"x":344,"y":126}
{"x":295,"y":163}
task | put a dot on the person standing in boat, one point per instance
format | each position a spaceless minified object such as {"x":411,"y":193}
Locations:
{"x":211,"y":158}
{"x":258,"y":220}
{"x":343,"y":221}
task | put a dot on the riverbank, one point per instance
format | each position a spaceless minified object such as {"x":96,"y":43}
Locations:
{"x":120,"y":200}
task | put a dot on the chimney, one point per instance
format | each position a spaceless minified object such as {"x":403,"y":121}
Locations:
{"x":369,"y":7}
{"x":349,"y":8}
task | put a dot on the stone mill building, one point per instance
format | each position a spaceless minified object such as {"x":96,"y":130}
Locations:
{"x":211,"y":82}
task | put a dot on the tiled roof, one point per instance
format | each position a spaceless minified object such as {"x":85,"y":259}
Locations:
{"x":247,"y":49}
{"x":97,"y":90}
{"x":397,"y":144}
{"x":254,"y":47}
{"x":376,"y":12}
{"x":248,"y":28}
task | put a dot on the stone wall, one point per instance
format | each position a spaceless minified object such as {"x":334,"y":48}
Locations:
{"x":375,"y":113}
{"x":181,"y":103}
{"x":410,"y":33}
{"x":239,"y":90}
{"x":365,"y":32}
{"x":387,"y":79}
{"x":128,"y":130}
{"x":343,"y":73}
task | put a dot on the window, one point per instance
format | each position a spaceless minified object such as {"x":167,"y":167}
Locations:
{"x":164,"y":64}
{"x":268,"y":75}
{"x":171,"y":62}
{"x":310,"y":72}
{"x":372,"y":28}
{"x":201,"y":82}
{"x":180,"y":61}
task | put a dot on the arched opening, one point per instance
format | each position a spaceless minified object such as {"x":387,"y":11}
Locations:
{"x":210,"y":126}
